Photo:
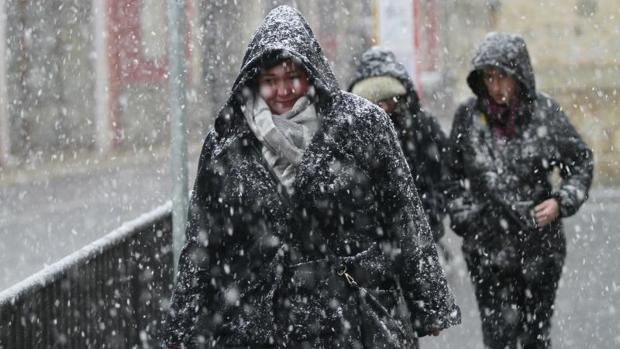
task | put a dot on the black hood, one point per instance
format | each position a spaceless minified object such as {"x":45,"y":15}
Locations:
{"x":380,"y":62}
{"x":507,"y":52}
{"x":283,"y":33}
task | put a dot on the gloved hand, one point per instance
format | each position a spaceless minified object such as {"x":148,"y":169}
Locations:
{"x":463,"y":211}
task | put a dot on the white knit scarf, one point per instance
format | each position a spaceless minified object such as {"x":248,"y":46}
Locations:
{"x":284,"y":137}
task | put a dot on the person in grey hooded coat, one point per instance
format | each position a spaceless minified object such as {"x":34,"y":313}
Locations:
{"x":505,"y":144}
{"x":381,"y":79}
{"x":303,"y":216}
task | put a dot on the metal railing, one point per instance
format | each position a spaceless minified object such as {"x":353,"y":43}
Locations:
{"x":109,"y":294}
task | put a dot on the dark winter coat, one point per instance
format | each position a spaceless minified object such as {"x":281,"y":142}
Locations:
{"x":502,"y":179}
{"x":421,"y":138}
{"x":254,"y":270}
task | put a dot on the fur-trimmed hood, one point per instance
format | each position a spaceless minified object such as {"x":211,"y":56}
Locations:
{"x":381,"y":62}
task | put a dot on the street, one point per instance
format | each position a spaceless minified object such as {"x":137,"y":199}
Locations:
{"x":44,"y":218}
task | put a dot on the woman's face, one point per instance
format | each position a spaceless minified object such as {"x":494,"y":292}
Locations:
{"x":502,"y":87}
{"x":388,"y":105}
{"x":282,"y":85}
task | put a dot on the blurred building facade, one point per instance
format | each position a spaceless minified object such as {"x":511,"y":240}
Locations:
{"x":84,"y":78}
{"x":88,"y":78}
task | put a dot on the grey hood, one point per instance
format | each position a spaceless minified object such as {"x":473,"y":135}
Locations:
{"x":380,"y":62}
{"x":507,"y":52}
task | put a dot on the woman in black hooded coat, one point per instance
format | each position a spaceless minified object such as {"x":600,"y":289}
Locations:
{"x":505,"y":144}
{"x":274,"y":252}
{"x":421,"y":138}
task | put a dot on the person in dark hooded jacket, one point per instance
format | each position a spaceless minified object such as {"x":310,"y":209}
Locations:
{"x":505,"y":144}
{"x":304,"y":221}
{"x":383,"y":80}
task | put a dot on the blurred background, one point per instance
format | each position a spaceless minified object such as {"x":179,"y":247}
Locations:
{"x":85,"y":125}
{"x":85,"y":79}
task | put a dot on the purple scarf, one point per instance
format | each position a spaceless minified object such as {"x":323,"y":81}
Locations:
{"x":503,"y":118}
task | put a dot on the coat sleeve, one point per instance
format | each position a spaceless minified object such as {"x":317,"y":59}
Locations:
{"x":463,"y":208}
{"x":575,"y":161}
{"x":436,"y":173}
{"x":192,"y":287}
{"x":407,"y":233}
